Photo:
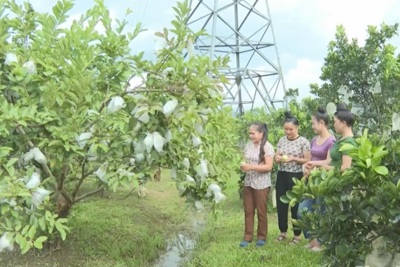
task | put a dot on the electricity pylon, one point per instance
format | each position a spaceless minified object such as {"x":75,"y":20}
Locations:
{"x":242,"y":30}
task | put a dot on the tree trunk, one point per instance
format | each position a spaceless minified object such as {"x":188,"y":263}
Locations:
{"x":63,"y":207}
{"x":157,"y":175}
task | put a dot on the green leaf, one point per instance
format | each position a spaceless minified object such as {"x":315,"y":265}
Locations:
{"x":25,"y":230}
{"x":4,"y":151}
{"x":32,"y":232}
{"x":346,"y":147}
{"x":19,"y":239}
{"x":11,"y":162}
{"x":62,"y":220}
{"x":292,"y":202}
{"x":343,"y":217}
{"x":290,"y":194}
{"x":39,"y":242}
{"x":4,"y":209}
{"x":159,"y":34}
{"x":25,"y":246}
{"x":48,"y":215}
{"x":368,"y":161}
{"x":379,"y":152}
{"x":382,"y":170}
{"x":61,"y":230}
{"x":42,"y":223}
{"x":55,"y":143}
{"x":18,"y":227}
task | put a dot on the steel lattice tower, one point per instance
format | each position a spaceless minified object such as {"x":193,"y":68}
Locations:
{"x":242,"y":30}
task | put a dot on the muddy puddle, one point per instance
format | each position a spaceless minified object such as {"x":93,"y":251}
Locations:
{"x":182,"y":244}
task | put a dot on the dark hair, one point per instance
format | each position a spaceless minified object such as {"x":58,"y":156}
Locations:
{"x":321,"y":115}
{"x":344,"y":114}
{"x":290,"y":118}
{"x":261,"y":128}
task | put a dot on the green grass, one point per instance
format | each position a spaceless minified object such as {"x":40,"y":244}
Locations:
{"x":133,"y":232}
{"x":109,"y":231}
{"x":218,"y":245}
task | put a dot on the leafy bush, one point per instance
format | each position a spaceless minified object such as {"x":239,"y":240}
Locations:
{"x":361,"y":204}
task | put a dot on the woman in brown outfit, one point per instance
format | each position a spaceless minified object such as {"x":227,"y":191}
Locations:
{"x":259,"y":154}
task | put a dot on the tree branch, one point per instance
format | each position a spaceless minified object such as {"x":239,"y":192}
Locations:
{"x":376,"y":108}
{"x":88,"y":194}
{"x":83,"y":176}
{"x":66,"y":196}
{"x":61,"y":181}
{"x":65,"y":170}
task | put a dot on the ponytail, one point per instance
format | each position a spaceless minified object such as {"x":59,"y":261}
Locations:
{"x":264,"y":130}
{"x":261,"y":128}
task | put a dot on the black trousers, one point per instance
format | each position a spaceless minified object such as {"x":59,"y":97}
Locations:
{"x":284,"y":183}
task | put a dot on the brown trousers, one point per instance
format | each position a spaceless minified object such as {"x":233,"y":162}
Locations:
{"x":254,"y":199}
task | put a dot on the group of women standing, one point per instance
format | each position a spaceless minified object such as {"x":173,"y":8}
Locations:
{"x":295,"y":156}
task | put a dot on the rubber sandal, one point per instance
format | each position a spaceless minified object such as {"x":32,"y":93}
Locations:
{"x":244,"y":244}
{"x":308,"y":246}
{"x":294,"y":241}
{"x":260,"y":243}
{"x":280,"y":238}
{"x":316,"y":249}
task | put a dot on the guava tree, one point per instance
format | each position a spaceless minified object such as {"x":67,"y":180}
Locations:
{"x":77,"y":108}
{"x":367,"y":76}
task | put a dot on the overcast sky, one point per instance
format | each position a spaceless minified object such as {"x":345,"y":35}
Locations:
{"x":303,"y":28}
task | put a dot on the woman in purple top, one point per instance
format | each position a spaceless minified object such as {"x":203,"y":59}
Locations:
{"x":320,"y":146}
